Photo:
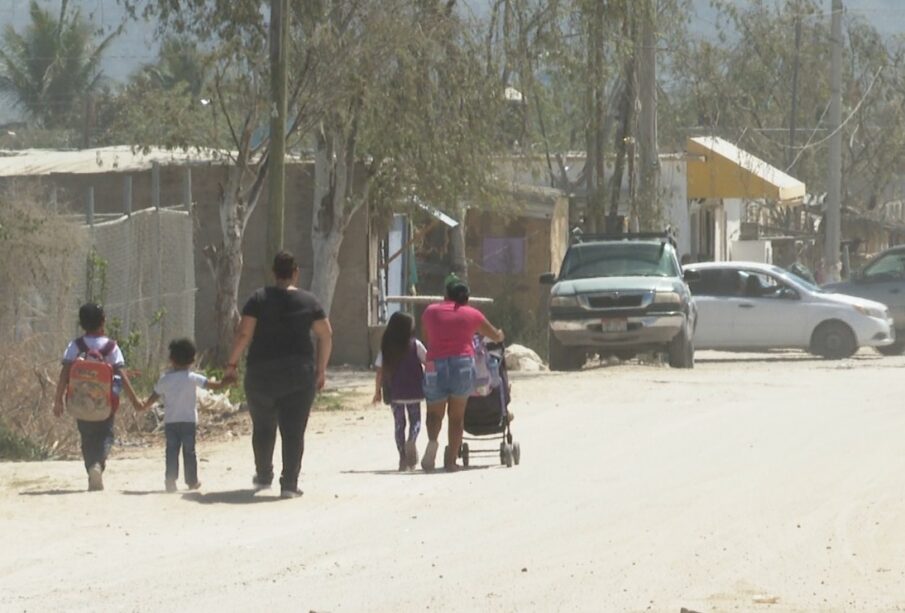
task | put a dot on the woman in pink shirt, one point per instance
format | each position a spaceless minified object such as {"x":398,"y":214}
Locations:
{"x":449,"y":373}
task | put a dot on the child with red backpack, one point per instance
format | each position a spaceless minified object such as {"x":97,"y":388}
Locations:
{"x":91,"y":380}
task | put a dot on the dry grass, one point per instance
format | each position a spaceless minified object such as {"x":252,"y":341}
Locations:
{"x":37,"y":307}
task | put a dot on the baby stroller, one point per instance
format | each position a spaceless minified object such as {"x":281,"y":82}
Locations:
{"x":487,"y":412}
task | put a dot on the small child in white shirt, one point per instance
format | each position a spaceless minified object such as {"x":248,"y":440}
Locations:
{"x":177,"y":388}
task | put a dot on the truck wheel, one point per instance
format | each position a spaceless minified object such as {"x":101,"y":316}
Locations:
{"x":681,"y":351}
{"x":563,"y":358}
{"x":897,"y":348}
{"x":833,"y":340}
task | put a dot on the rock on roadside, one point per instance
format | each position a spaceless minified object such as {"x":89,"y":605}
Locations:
{"x":521,"y":358}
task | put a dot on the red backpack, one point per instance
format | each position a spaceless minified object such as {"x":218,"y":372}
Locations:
{"x":90,"y":396}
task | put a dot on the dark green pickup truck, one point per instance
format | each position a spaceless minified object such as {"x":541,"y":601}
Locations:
{"x":620,"y":295}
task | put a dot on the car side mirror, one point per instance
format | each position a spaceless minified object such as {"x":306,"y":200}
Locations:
{"x":691,"y":276}
{"x":548,"y":278}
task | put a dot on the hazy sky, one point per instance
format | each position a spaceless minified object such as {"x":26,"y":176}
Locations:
{"x":136,"y":45}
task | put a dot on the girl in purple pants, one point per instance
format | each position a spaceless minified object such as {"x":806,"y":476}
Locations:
{"x":399,"y":383}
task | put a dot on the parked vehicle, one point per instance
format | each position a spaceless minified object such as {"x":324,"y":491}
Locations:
{"x":883,"y":280}
{"x":620,"y":295}
{"x":752,"y":306}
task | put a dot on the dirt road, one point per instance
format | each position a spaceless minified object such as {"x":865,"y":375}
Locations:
{"x":745,"y":482}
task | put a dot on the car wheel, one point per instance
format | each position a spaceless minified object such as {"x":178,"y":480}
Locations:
{"x":563,"y":358}
{"x":681,"y":351}
{"x":833,"y":340}
{"x":897,"y":348}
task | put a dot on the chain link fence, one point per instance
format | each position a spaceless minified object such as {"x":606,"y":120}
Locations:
{"x":141,"y":267}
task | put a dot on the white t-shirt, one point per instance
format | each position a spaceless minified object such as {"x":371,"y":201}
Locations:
{"x":95,"y":343}
{"x":178,"y":393}
{"x":419,"y":347}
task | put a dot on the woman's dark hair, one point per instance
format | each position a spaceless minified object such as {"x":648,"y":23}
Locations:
{"x":182,"y":352}
{"x":457,"y":291}
{"x":397,"y":339}
{"x":284,"y":265}
{"x":91,"y":317}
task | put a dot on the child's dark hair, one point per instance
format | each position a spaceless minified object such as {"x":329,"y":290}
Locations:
{"x":91,"y":317}
{"x":397,"y":339}
{"x":284,"y":265}
{"x":182,"y":352}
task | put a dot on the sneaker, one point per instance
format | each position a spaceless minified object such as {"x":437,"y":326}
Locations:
{"x":411,"y":453}
{"x":95,"y":478}
{"x":430,"y":455}
{"x":293,"y":493}
{"x":195,"y":486}
{"x":260,"y":484}
{"x":170,"y":485}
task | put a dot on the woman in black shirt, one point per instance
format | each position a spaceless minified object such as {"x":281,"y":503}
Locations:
{"x":283,"y":371}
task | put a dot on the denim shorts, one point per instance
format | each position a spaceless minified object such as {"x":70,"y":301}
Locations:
{"x":449,"y":377}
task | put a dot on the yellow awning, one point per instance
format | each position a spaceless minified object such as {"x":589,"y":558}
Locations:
{"x":718,"y":169}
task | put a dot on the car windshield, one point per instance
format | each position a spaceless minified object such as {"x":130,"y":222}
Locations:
{"x":625,"y":259}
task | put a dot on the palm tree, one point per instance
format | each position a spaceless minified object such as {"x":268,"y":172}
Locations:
{"x":49,"y":68}
{"x":179,"y":64}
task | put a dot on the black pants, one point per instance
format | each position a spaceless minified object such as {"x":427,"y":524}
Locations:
{"x":97,"y":439}
{"x":181,"y":435}
{"x":289,"y":412}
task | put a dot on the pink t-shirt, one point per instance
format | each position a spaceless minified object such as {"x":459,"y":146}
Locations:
{"x":450,"y":329}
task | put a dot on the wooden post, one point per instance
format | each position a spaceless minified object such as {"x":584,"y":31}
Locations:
{"x":278,"y":71}
{"x":155,"y":185}
{"x":127,"y":210}
{"x":187,"y":189}
{"x":649,"y":198}
{"x":833,"y":230}
{"x":89,"y":205}
{"x":127,"y":195}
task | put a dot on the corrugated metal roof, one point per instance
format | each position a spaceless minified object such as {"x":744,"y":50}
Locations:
{"x":38,"y":162}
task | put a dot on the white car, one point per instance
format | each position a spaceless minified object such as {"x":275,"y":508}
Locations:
{"x":752,"y":306}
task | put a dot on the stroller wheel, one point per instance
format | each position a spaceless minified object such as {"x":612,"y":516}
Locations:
{"x":507,"y":456}
{"x":516,"y":453}
{"x":463,"y":453}
{"x":503,"y":452}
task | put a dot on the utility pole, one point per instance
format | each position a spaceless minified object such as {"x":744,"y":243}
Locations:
{"x":648,"y":209}
{"x":833,"y":217}
{"x":793,"y":112}
{"x":276,"y":162}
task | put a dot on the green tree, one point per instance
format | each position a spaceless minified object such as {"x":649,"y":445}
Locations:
{"x":391,"y":95}
{"x":49,"y":68}
{"x":425,"y":71}
{"x":764,"y":84}
{"x":180,"y":65}
{"x":575,"y":62}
